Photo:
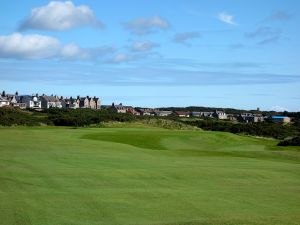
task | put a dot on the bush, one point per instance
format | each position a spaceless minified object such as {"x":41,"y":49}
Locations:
{"x":290,"y":142}
{"x":266,"y":129}
{"x":12,"y":116}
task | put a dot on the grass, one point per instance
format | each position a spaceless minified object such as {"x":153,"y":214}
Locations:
{"x":145,"y":176}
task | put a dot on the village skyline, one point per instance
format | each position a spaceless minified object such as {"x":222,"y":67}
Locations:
{"x":40,"y":101}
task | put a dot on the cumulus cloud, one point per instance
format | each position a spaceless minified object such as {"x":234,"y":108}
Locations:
{"x":35,"y":46}
{"x":28,"y":46}
{"x":184,"y":37}
{"x":265,"y":35}
{"x":143,"y":46}
{"x":142,"y":26}
{"x":58,"y":16}
{"x":226,"y":18}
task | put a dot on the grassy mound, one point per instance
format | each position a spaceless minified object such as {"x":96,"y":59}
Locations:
{"x":150,"y":122}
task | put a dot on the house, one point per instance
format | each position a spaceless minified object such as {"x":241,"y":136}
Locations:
{"x":146,"y":112}
{"x":182,"y":114}
{"x":250,"y":118}
{"x":12,"y":99}
{"x":97,"y":102}
{"x":89,"y":102}
{"x":92,"y":103}
{"x":30,"y":101}
{"x":50,"y":102}
{"x":163,"y":113}
{"x":69,"y":103}
{"x":118,"y":108}
{"x":3,"y":102}
{"x":281,"y":119}
{"x":195,"y":114}
{"x":84,"y":102}
{"x":132,"y":111}
{"x":206,"y":114}
{"x":221,"y":115}
{"x":232,"y":117}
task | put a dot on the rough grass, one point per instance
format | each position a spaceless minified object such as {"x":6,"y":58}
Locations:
{"x":145,"y":176}
{"x":148,"y":123}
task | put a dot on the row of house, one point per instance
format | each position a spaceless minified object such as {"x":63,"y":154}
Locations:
{"x":46,"y":102}
{"x":53,"y":101}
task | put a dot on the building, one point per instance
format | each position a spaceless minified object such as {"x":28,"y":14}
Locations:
{"x":182,"y":114}
{"x":195,"y":114}
{"x":50,"y":102}
{"x":163,"y":113}
{"x":69,"y":103}
{"x":206,"y":114}
{"x":281,"y":119}
{"x":3,"y":102}
{"x":250,"y":118}
{"x":232,"y":117}
{"x":221,"y":115}
{"x":84,"y":102}
{"x":97,"y":103}
{"x":118,"y":108}
{"x":146,"y":112}
{"x":30,"y":101}
{"x":132,"y":111}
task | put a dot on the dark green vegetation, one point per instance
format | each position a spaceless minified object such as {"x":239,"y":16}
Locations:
{"x":11,"y":116}
{"x":88,"y":117}
{"x":145,"y":176}
{"x":265,"y":129}
{"x":290,"y":142}
{"x":59,"y":117}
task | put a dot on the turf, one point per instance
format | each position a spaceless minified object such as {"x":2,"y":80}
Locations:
{"x":145,"y":176}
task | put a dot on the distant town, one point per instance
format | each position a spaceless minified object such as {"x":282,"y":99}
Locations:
{"x":40,"y":102}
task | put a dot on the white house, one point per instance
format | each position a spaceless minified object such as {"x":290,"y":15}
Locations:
{"x":31,"y":101}
{"x":220,"y":115}
{"x":3,"y":102}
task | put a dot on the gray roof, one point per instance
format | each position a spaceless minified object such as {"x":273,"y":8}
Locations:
{"x":50,"y":98}
{"x":3,"y":99}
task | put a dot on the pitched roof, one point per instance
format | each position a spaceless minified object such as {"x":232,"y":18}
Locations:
{"x":50,"y":98}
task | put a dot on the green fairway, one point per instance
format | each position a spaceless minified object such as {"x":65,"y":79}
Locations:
{"x":145,"y":176}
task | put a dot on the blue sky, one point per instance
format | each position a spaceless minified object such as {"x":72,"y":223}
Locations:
{"x":219,"y":53}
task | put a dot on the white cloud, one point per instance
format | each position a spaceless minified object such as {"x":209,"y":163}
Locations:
{"x":35,"y":46}
{"x":28,"y":46}
{"x":278,"y":108}
{"x":121,"y":57}
{"x":143,"y":46}
{"x":60,"y":16}
{"x":226,"y":18}
{"x":143,"y":26}
{"x":183,"y":37}
{"x":74,"y":52}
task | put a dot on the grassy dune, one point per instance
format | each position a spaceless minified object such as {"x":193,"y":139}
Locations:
{"x":145,"y":176}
